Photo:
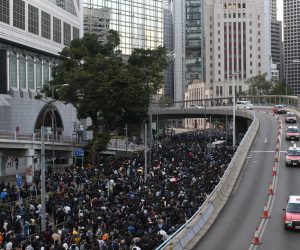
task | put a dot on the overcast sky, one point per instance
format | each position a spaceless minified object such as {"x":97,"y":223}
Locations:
{"x":280,"y":10}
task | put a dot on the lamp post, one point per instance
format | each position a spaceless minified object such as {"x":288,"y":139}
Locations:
{"x":43,"y":181}
{"x":233,"y":75}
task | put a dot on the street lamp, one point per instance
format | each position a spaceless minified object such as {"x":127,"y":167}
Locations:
{"x":43,"y":168}
{"x":233,"y":75}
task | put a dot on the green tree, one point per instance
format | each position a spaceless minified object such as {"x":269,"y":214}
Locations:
{"x":100,"y":84}
{"x":280,"y":88}
{"x":259,"y":85}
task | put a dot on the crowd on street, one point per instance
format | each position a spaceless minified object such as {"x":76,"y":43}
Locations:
{"x":111,"y":205}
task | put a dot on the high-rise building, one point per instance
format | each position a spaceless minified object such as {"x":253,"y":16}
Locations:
{"x":291,"y":20}
{"x":276,"y":47}
{"x":139,"y":23}
{"x":273,"y":9}
{"x":188,"y":45}
{"x":168,"y":43}
{"x":237,"y":44}
{"x":32,"y":33}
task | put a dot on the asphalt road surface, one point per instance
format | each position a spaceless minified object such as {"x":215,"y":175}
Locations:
{"x":234,"y":228}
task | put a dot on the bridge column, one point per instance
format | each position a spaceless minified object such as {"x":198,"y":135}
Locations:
{"x":70,"y":158}
{"x":30,"y":164}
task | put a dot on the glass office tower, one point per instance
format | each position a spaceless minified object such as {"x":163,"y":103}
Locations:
{"x":139,"y":22}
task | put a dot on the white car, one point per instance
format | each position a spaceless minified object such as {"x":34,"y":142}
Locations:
{"x":244,"y":105}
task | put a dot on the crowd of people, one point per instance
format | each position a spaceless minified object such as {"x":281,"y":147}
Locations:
{"x":112,"y":206}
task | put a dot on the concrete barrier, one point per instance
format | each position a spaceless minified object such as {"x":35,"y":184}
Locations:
{"x":194,"y":229}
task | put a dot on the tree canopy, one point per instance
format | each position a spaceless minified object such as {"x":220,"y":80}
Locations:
{"x":100,"y":84}
{"x":259,"y":85}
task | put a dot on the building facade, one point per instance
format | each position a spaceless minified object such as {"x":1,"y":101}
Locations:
{"x":32,"y":33}
{"x":237,"y":44}
{"x":291,"y":20}
{"x":139,"y":23}
{"x":188,"y":45}
{"x":276,"y":46}
{"x":168,"y":43}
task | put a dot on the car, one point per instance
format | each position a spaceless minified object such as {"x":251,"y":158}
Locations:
{"x":244,"y":105}
{"x":279,"y":109}
{"x":196,"y":106}
{"x":293,"y":156}
{"x":290,"y":117}
{"x":291,"y":218}
{"x":292,"y":133}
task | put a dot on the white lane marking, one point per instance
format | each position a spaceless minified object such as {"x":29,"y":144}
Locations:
{"x":271,"y":151}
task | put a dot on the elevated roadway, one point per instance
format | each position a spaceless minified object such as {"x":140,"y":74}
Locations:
{"x":235,"y":226}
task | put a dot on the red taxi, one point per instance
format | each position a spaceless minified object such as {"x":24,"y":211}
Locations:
{"x":292,"y":133}
{"x":279,"y":109}
{"x":293,"y":156}
{"x":291,"y":217}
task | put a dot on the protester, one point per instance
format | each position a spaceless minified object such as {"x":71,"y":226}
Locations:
{"x":111,"y":206}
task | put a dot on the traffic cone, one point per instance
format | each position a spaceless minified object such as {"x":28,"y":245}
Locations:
{"x":278,"y":133}
{"x":279,"y":127}
{"x":270,"y":192}
{"x":256,"y":240}
{"x":277,"y":149}
{"x":276,"y":159}
{"x":278,"y":140}
{"x":265,"y":214}
{"x":274,"y":171}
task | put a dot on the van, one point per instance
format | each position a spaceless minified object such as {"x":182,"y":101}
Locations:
{"x":244,"y":105}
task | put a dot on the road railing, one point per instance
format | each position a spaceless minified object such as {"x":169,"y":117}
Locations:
{"x":36,"y":137}
{"x":193,"y":230}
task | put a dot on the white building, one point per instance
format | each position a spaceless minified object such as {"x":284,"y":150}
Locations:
{"x":237,"y":43}
{"x":32,"y":33}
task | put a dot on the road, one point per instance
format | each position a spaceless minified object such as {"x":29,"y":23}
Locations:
{"x":234,"y":228}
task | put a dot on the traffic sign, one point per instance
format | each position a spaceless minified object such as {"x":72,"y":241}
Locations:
{"x":79,"y":152}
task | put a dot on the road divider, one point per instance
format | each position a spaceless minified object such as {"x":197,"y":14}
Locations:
{"x":195,"y":228}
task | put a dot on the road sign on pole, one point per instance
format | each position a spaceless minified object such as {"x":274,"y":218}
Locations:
{"x":79,"y":152}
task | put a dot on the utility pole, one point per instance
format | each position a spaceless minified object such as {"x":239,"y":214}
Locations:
{"x":126,"y":138}
{"x":43,"y":181}
{"x":145,"y":154}
{"x":233,"y":120}
{"x":52,"y":125}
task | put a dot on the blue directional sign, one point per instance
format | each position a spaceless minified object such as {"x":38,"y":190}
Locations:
{"x":79,"y":152}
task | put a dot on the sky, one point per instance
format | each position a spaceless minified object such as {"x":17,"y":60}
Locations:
{"x":280,"y":10}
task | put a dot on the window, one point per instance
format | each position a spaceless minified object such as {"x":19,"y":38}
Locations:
{"x":56,"y":30}
{"x":19,"y":14}
{"x":12,"y":70}
{"x":30,"y":74}
{"x":22,"y":72}
{"x":75,"y":33}
{"x":67,"y":33}
{"x":33,"y":19}
{"x":240,"y":89}
{"x":45,"y":73}
{"x":230,"y":90}
{"x":38,"y":73}
{"x":46,"y":25}
{"x":4,"y":11}
{"x":221,"y":89}
{"x":217,"y":90}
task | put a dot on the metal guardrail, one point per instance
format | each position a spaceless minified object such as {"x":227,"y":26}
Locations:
{"x":216,"y":200}
{"x":36,"y":137}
